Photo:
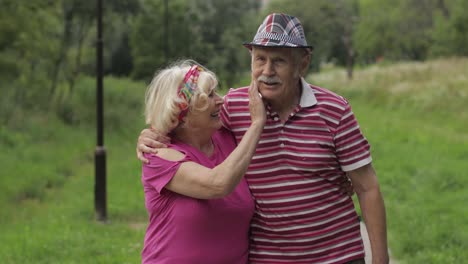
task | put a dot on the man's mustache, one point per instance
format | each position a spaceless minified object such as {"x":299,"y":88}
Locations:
{"x":266,"y":79}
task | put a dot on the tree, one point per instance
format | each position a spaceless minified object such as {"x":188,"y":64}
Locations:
{"x":347,"y":17}
{"x":411,"y":29}
{"x":220,"y":28}
{"x":26,"y":46}
{"x":377,"y":31}
{"x":328,"y":26}
{"x":148,"y":37}
{"x":450,"y":32}
{"x":207,"y":31}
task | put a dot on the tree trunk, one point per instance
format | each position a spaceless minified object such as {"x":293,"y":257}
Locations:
{"x":350,"y":63}
{"x":441,"y":5}
{"x":66,"y":37}
{"x":82,"y":32}
{"x":350,"y":54}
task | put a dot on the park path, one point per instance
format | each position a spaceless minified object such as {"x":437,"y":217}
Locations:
{"x":365,"y":237}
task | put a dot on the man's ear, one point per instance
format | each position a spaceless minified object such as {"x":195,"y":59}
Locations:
{"x":305,"y":62}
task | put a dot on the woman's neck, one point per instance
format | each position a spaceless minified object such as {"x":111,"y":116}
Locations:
{"x":196,"y":138}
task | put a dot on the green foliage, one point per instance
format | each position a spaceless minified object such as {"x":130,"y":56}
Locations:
{"x":154,"y":42}
{"x":378,"y":33}
{"x":327,"y":25}
{"x":43,"y":57}
{"x":23,"y":49}
{"x":411,"y":29}
{"x":120,"y":96}
{"x":221,"y":27}
{"x":207,"y":31}
{"x":450,"y":35}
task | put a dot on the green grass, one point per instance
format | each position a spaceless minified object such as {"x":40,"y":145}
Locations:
{"x":47,"y":184}
{"x":422,"y":171}
{"x":415,"y":118}
{"x":412,"y":113}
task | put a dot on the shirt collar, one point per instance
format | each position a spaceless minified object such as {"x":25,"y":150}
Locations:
{"x":308,"y":97}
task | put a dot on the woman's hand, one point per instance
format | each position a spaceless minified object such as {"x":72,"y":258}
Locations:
{"x":346,"y":186}
{"x":256,"y":105}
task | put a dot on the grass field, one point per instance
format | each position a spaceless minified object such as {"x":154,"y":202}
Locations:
{"x":416,"y":119}
{"x":413,"y":114}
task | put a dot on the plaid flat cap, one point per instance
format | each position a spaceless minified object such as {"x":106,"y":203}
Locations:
{"x":279,"y":30}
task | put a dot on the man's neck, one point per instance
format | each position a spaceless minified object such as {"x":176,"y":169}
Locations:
{"x":285,"y":105}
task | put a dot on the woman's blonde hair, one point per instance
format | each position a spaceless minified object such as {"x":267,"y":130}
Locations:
{"x":162,"y":100}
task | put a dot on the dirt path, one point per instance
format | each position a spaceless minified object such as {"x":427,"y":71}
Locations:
{"x":365,"y":237}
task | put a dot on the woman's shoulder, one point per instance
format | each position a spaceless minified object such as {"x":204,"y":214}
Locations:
{"x":166,"y":154}
{"x":170,"y":154}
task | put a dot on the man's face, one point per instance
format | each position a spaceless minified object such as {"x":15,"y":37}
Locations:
{"x":276,"y":70}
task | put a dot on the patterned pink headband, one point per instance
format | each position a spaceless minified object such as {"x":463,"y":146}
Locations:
{"x":187,"y":89}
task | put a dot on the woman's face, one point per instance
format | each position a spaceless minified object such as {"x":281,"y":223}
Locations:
{"x":207,"y":119}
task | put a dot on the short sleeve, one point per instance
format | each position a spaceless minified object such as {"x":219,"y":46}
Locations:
{"x":352,"y":148}
{"x":159,"y":172}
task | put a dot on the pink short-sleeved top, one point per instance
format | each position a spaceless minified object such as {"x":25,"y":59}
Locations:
{"x":187,"y":230}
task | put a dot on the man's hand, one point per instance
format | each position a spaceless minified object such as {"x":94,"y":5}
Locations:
{"x":148,"y":142}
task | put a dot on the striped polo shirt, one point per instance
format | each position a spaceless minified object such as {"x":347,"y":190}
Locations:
{"x":300,"y":214}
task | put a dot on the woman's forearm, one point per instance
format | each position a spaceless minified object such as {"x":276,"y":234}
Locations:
{"x":229,"y":173}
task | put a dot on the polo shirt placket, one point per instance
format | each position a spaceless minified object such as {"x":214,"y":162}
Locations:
{"x":273,"y":118}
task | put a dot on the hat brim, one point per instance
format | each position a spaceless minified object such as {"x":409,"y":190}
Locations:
{"x":249,"y":45}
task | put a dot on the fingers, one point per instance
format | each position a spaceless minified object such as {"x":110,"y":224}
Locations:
{"x":346,"y":187}
{"x":141,"y":157}
{"x":253,"y":91}
{"x":256,"y":105}
{"x":145,"y":144}
{"x":151,"y":147}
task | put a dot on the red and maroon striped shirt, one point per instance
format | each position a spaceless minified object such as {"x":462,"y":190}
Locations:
{"x":300,"y":214}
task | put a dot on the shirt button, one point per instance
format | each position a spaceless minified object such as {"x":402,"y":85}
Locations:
{"x":276,"y":118}
{"x":282,"y":145}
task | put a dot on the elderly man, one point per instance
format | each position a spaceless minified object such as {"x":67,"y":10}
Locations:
{"x":311,"y":140}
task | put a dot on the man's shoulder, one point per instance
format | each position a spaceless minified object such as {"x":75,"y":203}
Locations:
{"x":237,"y":96}
{"x":238,"y":92}
{"x":326,"y":96}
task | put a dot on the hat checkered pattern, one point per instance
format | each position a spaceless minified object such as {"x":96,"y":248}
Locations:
{"x":280,"y":30}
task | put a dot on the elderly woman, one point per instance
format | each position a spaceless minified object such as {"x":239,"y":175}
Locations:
{"x":198,"y":202}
